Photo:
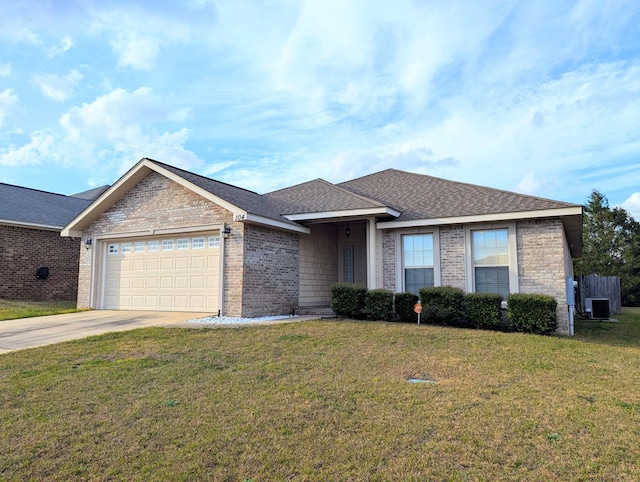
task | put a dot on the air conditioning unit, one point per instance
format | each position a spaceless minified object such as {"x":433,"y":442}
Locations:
{"x":597,"y":308}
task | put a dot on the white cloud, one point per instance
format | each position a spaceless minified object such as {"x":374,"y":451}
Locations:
{"x":7,"y":101}
{"x":116,"y":128}
{"x":56,"y":87}
{"x":39,"y":149}
{"x":137,"y":43}
{"x":632,"y":205}
{"x":57,"y":50}
{"x":5,"y":70}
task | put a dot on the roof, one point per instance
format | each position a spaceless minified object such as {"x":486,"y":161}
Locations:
{"x":33,"y":208}
{"x":419,"y":196}
{"x":92,"y":194}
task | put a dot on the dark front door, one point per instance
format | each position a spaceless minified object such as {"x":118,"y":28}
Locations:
{"x":355,"y":263}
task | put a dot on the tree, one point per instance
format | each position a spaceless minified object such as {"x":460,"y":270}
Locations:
{"x":611,"y":246}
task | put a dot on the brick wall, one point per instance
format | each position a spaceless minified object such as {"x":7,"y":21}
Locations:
{"x":452,"y":260}
{"x":389,"y":260}
{"x":318,"y":266}
{"x":24,"y":250}
{"x":542,"y":262}
{"x":271,"y":263}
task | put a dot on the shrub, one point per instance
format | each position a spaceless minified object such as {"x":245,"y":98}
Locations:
{"x":442,"y":305}
{"x":378,"y":304}
{"x":482,"y":310}
{"x":347,"y":300}
{"x":531,"y":313}
{"x":404,"y":303}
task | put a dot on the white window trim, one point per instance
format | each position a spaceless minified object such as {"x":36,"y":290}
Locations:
{"x":435,"y":231}
{"x":513,"y":253}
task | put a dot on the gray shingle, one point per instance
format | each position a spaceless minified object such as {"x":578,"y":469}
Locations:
{"x":30,"y":206}
{"x":316,"y":197}
{"x":418,"y":196}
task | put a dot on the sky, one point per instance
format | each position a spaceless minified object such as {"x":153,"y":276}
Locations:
{"x":540,"y":97}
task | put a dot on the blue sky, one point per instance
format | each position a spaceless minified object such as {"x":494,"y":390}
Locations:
{"x":539,"y":97}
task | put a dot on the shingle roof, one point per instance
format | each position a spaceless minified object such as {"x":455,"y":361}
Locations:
{"x":317,"y":196}
{"x":248,"y":201}
{"x":22,"y":205}
{"x":418,"y":196}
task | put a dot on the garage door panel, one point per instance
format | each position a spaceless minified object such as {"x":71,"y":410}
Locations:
{"x":141,"y":274}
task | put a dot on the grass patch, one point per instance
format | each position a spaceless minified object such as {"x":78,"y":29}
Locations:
{"x":12,"y":309}
{"x":324,"y":401}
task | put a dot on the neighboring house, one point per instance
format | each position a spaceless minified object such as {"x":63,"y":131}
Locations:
{"x":162,"y":238}
{"x":36,"y":263}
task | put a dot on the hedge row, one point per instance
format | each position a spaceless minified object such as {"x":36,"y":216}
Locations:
{"x":445,"y":305}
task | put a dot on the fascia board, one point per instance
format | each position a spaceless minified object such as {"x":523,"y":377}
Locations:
{"x":545,"y":213}
{"x":253,"y":218}
{"x":45,"y":227}
{"x":343,"y":214}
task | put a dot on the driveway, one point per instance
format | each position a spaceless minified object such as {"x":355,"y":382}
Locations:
{"x":44,"y":330}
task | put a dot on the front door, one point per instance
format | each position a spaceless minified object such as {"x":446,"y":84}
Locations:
{"x":355,"y":263}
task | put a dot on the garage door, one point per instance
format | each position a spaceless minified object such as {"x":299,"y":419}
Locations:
{"x":165,"y":273}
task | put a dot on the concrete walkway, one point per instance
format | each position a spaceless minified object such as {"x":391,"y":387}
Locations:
{"x":44,"y":330}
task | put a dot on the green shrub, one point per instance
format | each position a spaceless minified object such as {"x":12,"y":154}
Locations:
{"x":404,"y":303}
{"x":442,"y":305}
{"x":482,"y":310}
{"x":531,"y":313}
{"x":378,"y":304}
{"x":347,"y":300}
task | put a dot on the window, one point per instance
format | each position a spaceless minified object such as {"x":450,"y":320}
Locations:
{"x":491,"y":269}
{"x":153,"y":246}
{"x":167,"y":245}
{"x":417,"y":261}
{"x":138,"y":247}
{"x":114,"y":248}
{"x":197,"y":243}
{"x":126,"y":248}
{"x":214,"y":241}
{"x":182,"y":244}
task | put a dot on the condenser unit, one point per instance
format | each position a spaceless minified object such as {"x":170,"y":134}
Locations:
{"x":597,"y":308}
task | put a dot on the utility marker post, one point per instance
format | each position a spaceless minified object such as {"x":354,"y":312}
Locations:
{"x":418,"y":309}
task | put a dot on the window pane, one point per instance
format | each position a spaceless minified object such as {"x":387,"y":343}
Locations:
{"x":214,"y":241}
{"x":417,"y":250}
{"x":182,"y":244}
{"x":493,"y":280}
{"x":167,"y":245}
{"x":138,"y":247}
{"x":153,"y":246}
{"x":197,"y":243}
{"x":416,"y":278}
{"x":126,"y":247}
{"x":491,"y":248}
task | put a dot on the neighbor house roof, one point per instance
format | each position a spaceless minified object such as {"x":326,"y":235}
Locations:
{"x":21,"y":206}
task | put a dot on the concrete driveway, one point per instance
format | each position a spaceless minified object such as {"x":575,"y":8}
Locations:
{"x":44,"y":330}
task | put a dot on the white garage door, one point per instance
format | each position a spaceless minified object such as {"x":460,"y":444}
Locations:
{"x":165,"y":273}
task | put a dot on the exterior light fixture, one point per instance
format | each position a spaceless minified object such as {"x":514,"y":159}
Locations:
{"x":226,"y":232}
{"x":347,"y":232}
{"x":87,"y":243}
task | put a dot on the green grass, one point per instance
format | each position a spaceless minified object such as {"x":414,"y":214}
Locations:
{"x":11,"y":309}
{"x":325,"y":400}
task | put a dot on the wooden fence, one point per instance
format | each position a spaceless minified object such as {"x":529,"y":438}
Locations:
{"x":594,"y":286}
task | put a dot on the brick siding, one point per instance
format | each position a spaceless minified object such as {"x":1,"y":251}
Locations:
{"x":271,"y":267}
{"x":453,"y":265}
{"x":543,"y":262}
{"x":24,"y":250}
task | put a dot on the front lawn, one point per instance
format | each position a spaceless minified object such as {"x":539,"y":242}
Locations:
{"x":325,"y":400}
{"x":12,"y":309}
